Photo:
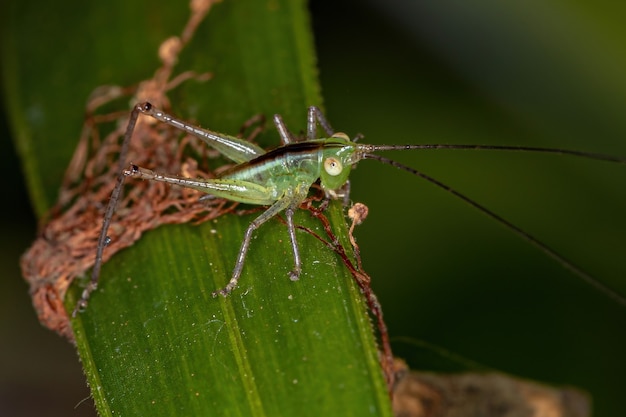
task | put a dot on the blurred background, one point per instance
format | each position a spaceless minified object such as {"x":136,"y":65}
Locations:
{"x":459,"y":291}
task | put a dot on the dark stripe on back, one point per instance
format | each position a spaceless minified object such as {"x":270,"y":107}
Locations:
{"x":277,"y":154}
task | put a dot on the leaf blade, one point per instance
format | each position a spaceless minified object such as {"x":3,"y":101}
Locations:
{"x":154,"y":342}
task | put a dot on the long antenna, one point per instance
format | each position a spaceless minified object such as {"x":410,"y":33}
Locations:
{"x":582,"y":154}
{"x":525,"y":235}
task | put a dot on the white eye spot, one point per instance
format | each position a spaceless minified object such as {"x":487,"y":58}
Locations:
{"x":332,"y":166}
{"x":340,"y":135}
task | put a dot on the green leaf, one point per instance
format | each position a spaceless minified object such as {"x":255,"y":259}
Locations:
{"x":153,"y":341}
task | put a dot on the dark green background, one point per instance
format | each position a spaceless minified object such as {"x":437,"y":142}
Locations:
{"x":532,"y":73}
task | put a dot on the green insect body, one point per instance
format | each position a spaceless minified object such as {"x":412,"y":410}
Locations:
{"x":281,"y":178}
{"x":290,"y":169}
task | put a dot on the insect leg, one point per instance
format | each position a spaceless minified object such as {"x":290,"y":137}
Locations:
{"x":232,"y":189}
{"x":234,"y":148}
{"x":103,"y":239}
{"x":315,"y":116}
{"x":286,"y":137}
{"x":294,"y":275}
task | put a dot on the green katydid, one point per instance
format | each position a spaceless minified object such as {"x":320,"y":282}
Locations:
{"x":281,"y":178}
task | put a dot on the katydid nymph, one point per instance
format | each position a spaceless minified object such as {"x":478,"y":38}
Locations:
{"x":281,"y":179}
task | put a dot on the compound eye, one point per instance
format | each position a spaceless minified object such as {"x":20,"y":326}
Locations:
{"x":333,"y":166}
